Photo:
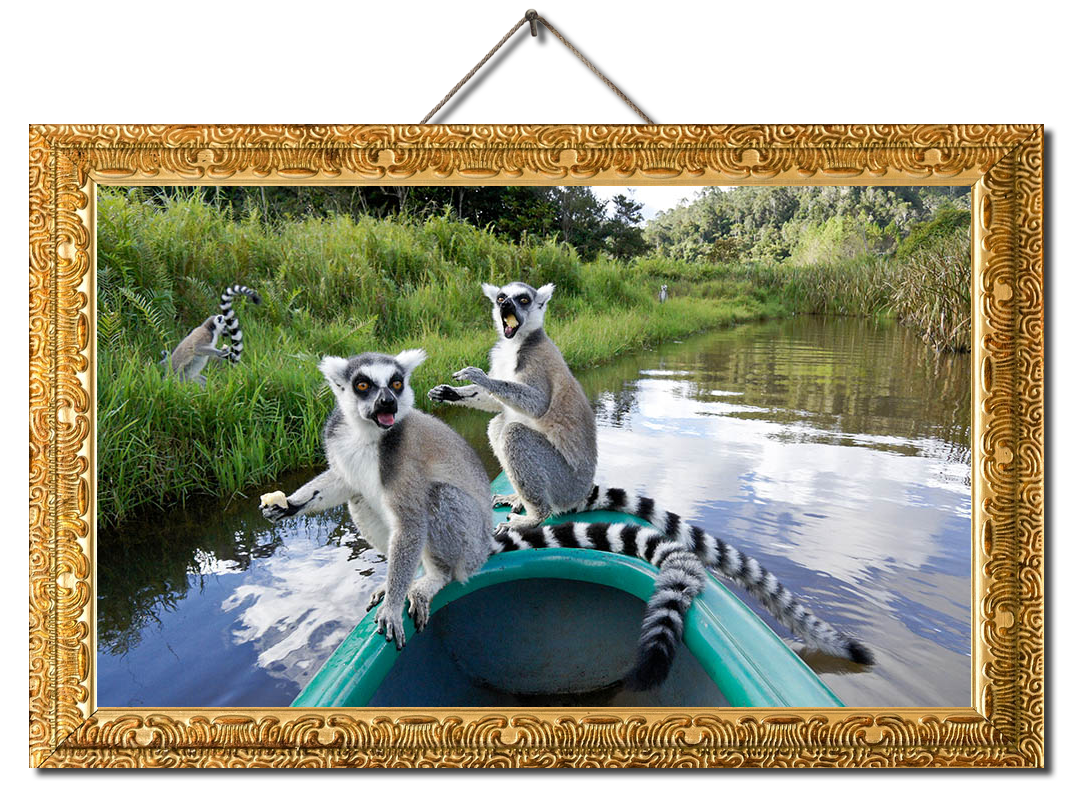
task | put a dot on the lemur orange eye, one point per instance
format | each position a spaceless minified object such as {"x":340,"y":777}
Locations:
{"x":501,"y":298}
{"x":362,"y":387}
{"x":525,"y":301}
{"x":397,"y":386}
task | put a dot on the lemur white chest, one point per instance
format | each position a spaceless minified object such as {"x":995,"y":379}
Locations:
{"x":503,"y":363}
{"x":503,"y":360}
{"x":356,"y":457}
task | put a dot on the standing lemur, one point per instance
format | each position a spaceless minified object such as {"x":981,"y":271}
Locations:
{"x":418,"y":493}
{"x":544,"y":431}
{"x":192,"y":354}
{"x":194,"y":351}
{"x":544,"y":436}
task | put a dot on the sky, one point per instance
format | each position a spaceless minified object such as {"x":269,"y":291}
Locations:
{"x":654,"y":198}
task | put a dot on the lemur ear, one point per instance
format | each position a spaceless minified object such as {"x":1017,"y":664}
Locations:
{"x":410,"y":360}
{"x":543,"y":294}
{"x":490,"y":291}
{"x":334,"y":369}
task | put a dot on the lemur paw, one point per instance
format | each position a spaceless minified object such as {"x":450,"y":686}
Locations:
{"x":376,"y":597}
{"x":444,"y":394}
{"x":522,"y":522}
{"x":275,"y":506}
{"x":473,"y":375}
{"x":517,"y":522}
{"x":420,"y":605}
{"x":512,"y":500}
{"x":389,"y":623}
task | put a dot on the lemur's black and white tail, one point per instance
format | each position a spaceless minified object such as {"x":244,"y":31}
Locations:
{"x":234,"y":332}
{"x":681,"y":578}
{"x":744,"y":570}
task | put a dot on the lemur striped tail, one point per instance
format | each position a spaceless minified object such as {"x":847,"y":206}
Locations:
{"x":743,"y":569}
{"x":234,"y":332}
{"x":681,"y":578}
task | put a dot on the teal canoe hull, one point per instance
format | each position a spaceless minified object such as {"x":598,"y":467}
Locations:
{"x":746,"y":660}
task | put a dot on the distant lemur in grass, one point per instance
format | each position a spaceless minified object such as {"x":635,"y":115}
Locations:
{"x":195,"y":351}
{"x":544,"y":435}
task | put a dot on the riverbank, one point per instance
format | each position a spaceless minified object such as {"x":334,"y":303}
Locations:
{"x":343,"y":285}
{"x":161,"y":441}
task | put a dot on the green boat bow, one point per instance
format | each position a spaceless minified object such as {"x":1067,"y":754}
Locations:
{"x":745,"y":659}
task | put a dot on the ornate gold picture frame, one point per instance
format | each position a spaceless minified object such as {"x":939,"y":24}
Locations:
{"x":1004,"y":724}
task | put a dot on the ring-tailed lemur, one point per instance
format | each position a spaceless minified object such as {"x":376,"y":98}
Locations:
{"x":234,"y":332}
{"x":194,"y":352}
{"x":545,"y":439}
{"x":418,"y":493}
{"x":544,"y":431}
{"x":663,"y":293}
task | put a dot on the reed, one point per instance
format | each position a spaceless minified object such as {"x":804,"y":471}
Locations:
{"x":933,"y":292}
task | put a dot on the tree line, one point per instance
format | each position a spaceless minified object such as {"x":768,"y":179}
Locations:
{"x":752,"y":224}
{"x":799,"y":223}
{"x":573,"y":215}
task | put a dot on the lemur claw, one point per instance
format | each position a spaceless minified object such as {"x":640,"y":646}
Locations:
{"x":512,"y":500}
{"x":443,"y":394}
{"x":274,"y":513}
{"x":390,"y":625}
{"x":472,"y":374}
{"x":419,"y":610}
{"x":518,"y":522}
{"x":375,"y":598}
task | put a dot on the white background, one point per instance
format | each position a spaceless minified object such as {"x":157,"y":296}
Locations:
{"x":681,"y":61}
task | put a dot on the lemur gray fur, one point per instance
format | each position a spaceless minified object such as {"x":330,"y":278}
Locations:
{"x":193,"y":353}
{"x":418,"y":493}
{"x":234,"y":332}
{"x":545,"y":439}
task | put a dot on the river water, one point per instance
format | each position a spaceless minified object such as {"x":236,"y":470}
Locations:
{"x":836,"y":451}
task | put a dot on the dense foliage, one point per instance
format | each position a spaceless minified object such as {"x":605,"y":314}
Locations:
{"x":572,"y":215}
{"x":806,"y":224}
{"x":331,"y":285}
{"x":839,"y":249}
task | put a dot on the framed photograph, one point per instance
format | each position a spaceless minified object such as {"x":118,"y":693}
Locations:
{"x":810,"y":359}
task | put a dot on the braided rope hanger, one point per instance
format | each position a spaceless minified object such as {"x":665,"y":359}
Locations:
{"x":542,"y":30}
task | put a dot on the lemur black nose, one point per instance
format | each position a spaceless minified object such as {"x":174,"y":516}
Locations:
{"x":507,"y":307}
{"x":386,"y":403}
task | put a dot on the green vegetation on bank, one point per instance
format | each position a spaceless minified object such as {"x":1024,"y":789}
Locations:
{"x":859,"y":250}
{"x":336,"y":285}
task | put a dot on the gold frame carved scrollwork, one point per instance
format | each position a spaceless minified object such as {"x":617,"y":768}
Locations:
{"x":1002,"y":727}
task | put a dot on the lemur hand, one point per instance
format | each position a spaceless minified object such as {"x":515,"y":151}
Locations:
{"x":389,"y":623}
{"x":274,"y":506}
{"x":473,"y":375}
{"x":444,"y":394}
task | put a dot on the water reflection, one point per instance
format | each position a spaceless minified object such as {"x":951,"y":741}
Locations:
{"x":837,"y":451}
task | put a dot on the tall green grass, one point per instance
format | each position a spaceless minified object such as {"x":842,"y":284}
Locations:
{"x":933,"y":294}
{"x":344,"y":285}
{"x":338,"y":285}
